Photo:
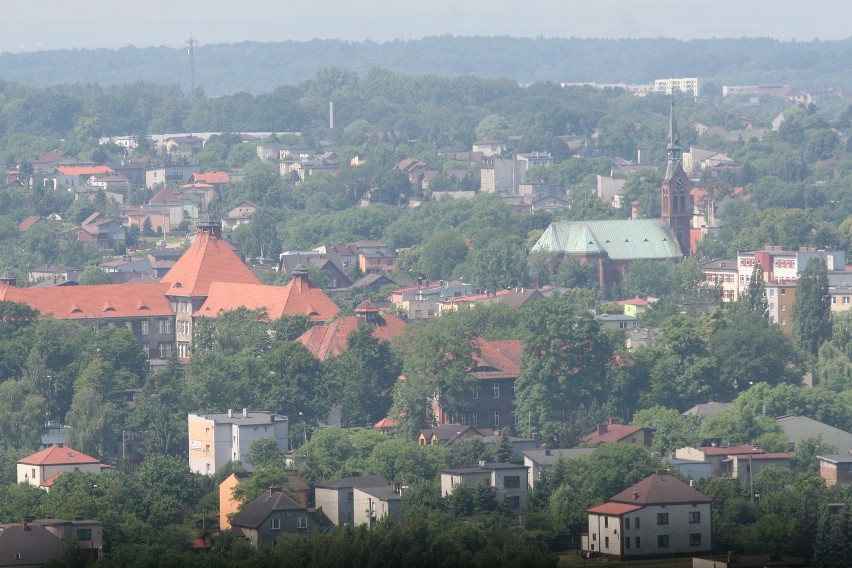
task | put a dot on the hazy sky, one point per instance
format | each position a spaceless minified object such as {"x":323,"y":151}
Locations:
{"x":30,"y":25}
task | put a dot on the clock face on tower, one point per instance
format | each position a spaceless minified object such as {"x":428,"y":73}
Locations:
{"x":679,"y":183}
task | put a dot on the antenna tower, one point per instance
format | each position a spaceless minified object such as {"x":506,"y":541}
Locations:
{"x":190,"y":50}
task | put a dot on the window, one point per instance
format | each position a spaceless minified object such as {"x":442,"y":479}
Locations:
{"x":33,"y":475}
{"x":695,"y":539}
{"x":606,"y":542}
{"x":783,"y":307}
{"x":515,"y":417}
{"x":84,"y":534}
{"x":662,"y":541}
{"x":627,"y":523}
{"x":207,"y":431}
{"x":145,"y":327}
{"x":512,"y":481}
{"x":495,"y":390}
{"x":783,"y":292}
{"x":474,"y":421}
{"x":275,"y":524}
{"x":627,"y":542}
{"x":349,"y":497}
{"x":495,"y":418}
{"x":183,"y":350}
{"x":694,"y":517}
{"x":474,"y":392}
{"x":207,"y":448}
{"x":662,"y":518}
{"x":418,"y":313}
{"x":846,"y":300}
{"x":772,"y":292}
{"x":636,"y":524}
{"x":128,"y":325}
{"x":638,"y":542}
{"x":302,"y":523}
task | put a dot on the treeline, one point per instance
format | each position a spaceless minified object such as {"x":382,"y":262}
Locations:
{"x":223,"y":69}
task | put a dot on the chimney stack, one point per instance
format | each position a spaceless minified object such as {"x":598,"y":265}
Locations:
{"x":613,"y":421}
{"x":602,"y":428}
{"x":245,"y":412}
{"x":230,"y":413}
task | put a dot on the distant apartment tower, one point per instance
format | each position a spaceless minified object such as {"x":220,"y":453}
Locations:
{"x":683,"y":85}
{"x":217,"y":438}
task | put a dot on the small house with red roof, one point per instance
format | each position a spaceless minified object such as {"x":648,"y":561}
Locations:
{"x":42,"y":468}
{"x":659,"y":516}
{"x":734,"y":461}
{"x":634,"y":307}
{"x":615,"y":431}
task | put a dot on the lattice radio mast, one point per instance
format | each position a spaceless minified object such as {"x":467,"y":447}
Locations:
{"x":190,"y":50}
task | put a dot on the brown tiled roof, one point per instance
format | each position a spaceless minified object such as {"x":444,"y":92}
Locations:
{"x":208,"y":260}
{"x":165,"y":195}
{"x":329,"y":340}
{"x":614,"y":509}
{"x":298,"y":297}
{"x":212,"y":177}
{"x":28,"y":222}
{"x":57,"y":455}
{"x":95,"y":301}
{"x":503,"y":356}
{"x":660,"y":489}
{"x":614,"y":433}
{"x":731,"y":450}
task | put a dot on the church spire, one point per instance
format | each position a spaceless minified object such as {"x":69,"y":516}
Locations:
{"x":674,"y":149}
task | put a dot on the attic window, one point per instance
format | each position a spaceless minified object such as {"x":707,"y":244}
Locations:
{"x":626,"y":240}
{"x":178,"y":285}
{"x":644,"y":240}
{"x":664,"y":239}
{"x":313,"y":314}
{"x":108,"y":308}
{"x":590,"y":243}
{"x":607,"y":241}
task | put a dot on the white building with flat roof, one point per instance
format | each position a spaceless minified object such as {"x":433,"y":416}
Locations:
{"x":217,"y":438}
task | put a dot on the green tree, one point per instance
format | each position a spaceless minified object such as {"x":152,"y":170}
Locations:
{"x":92,"y":418}
{"x":671,"y":430}
{"x":265,"y":452}
{"x":812,"y":307}
{"x":160,"y":412}
{"x":21,"y":415}
{"x":94,"y":275}
{"x":754,"y":296}
{"x":263,"y":477}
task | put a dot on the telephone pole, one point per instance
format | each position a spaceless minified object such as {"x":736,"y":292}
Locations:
{"x":190,"y":50}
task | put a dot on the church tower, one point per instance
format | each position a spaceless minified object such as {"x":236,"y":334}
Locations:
{"x":676,"y":199}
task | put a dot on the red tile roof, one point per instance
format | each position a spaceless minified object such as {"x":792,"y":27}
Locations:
{"x":298,"y":297}
{"x":634,"y":302}
{"x":212,"y":177}
{"x":58,"y":455}
{"x":329,"y":340}
{"x":660,"y":489}
{"x":83,"y":170}
{"x":95,"y":301}
{"x":612,"y":433}
{"x":28,"y":222}
{"x":165,"y":195}
{"x":208,"y":260}
{"x":498,"y":359}
{"x":385,"y":423}
{"x":614,"y":509}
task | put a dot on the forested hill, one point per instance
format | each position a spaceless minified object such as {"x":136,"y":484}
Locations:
{"x":260,"y":67}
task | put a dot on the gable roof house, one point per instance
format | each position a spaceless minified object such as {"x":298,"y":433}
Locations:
{"x":272,"y":514}
{"x":71,"y":176}
{"x":337,"y":498}
{"x":614,"y":431}
{"x":33,"y":542}
{"x":42,"y":468}
{"x":657,"y":517}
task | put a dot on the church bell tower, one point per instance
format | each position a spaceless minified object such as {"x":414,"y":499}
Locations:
{"x":676,"y":199}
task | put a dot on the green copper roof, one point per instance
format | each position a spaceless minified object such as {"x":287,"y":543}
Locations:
{"x":626,"y":239}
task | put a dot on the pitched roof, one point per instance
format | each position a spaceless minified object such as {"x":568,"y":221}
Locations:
{"x":550,"y":457}
{"x":35,"y":545}
{"x":498,"y":359}
{"x":165,"y":195}
{"x":253,"y":514}
{"x":385,"y":423}
{"x":212,"y":177}
{"x":660,"y":488}
{"x":83,"y":170}
{"x":707,"y":408}
{"x":208,"y":260}
{"x":298,"y":297}
{"x":329,"y":340}
{"x":28,"y":222}
{"x":614,"y":509}
{"x":612,"y":432}
{"x":448,"y":433}
{"x":95,"y":301}
{"x":741,"y":449}
{"x":623,"y":239}
{"x":357,"y":481}
{"x":58,"y":455}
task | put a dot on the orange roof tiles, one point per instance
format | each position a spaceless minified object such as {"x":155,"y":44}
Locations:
{"x":57,"y":455}
{"x":84,"y":170}
{"x":88,"y":302}
{"x":208,"y":260}
{"x":329,"y":340}
{"x":165,"y":195}
{"x":298,"y":297}
{"x":212,"y":177}
{"x":613,"y":433}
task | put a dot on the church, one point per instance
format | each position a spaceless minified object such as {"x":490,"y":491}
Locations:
{"x":612,"y":245}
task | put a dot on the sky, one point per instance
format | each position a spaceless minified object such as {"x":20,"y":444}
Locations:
{"x":34,"y":25}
